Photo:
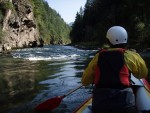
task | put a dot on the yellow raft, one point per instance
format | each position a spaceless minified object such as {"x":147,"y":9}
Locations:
{"x":142,"y":94}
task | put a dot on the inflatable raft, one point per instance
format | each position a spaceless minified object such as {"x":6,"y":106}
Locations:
{"x":142,"y":93}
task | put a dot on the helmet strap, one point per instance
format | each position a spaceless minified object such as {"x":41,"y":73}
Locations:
{"x":118,"y":45}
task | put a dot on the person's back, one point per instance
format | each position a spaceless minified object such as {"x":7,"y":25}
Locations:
{"x":110,"y":71}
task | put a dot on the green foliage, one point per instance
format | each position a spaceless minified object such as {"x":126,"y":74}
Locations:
{"x":100,"y":15}
{"x":51,"y":25}
{"x":77,"y":29}
{"x":7,"y":5}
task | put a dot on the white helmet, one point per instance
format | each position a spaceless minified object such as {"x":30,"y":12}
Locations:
{"x":117,"y":35}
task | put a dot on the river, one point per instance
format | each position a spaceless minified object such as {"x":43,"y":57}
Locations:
{"x":33,"y":75}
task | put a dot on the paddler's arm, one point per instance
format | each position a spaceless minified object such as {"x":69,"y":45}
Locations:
{"x":88,"y":74}
{"x":136,"y":64}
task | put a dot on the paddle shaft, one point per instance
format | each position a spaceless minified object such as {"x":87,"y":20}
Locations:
{"x":145,"y":84}
{"x":52,"y":103}
{"x":72,"y":91}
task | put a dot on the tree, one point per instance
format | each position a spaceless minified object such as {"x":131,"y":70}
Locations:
{"x":100,"y":15}
{"x":50,"y":23}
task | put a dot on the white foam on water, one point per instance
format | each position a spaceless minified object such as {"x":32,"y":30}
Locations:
{"x":57,"y":57}
{"x":38,"y":58}
{"x":31,"y":57}
{"x":50,"y":53}
{"x":74,"y":55}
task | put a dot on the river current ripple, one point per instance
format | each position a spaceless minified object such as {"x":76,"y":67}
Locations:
{"x":33,"y":75}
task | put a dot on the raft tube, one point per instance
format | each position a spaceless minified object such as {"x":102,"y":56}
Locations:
{"x":142,"y":94}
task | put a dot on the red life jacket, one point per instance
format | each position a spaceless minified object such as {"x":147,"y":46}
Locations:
{"x":111,"y":71}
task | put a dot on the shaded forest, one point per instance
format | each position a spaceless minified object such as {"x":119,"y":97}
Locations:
{"x":92,"y":22}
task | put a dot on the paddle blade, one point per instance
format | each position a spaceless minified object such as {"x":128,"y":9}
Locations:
{"x":49,"y":104}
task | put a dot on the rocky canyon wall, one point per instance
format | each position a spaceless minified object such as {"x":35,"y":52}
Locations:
{"x":19,"y":26}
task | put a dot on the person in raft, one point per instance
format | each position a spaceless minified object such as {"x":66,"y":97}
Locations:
{"x":110,"y":71}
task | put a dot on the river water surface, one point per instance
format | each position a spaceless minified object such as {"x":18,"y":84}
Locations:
{"x":31,"y":76}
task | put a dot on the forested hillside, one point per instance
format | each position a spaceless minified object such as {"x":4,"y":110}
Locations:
{"x":92,"y":23}
{"x":51,"y":26}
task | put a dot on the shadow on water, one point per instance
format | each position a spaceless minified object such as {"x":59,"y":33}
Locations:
{"x":18,"y":83}
{"x":43,"y":112}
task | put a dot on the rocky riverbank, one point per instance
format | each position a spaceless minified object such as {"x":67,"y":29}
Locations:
{"x":18,"y":25}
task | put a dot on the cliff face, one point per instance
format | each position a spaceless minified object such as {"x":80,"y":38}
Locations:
{"x":19,"y":26}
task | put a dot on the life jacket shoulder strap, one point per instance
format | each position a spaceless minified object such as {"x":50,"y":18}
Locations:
{"x":118,"y":49}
